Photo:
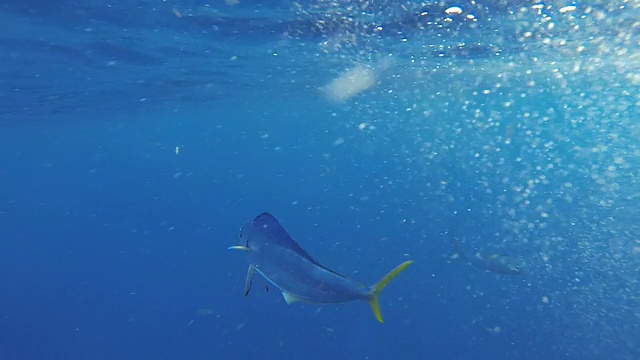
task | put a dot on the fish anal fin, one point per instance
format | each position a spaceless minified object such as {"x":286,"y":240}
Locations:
{"x":248,"y":280}
{"x":380,"y":285}
{"x":290,"y":298}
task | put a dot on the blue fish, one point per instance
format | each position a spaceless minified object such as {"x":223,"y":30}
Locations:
{"x":272,"y":253}
{"x":496,"y":263}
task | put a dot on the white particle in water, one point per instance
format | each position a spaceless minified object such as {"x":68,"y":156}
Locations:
{"x":567,"y":9}
{"x":454,"y":10}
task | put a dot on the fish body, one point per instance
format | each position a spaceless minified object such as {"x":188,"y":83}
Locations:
{"x":496,"y":263}
{"x":273,"y":254}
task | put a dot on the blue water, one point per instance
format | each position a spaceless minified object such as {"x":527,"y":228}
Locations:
{"x":136,"y":137}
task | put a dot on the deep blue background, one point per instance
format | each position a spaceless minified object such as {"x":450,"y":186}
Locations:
{"x":112,"y":245}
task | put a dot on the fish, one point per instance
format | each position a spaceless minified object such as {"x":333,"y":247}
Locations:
{"x":495,"y":263}
{"x":273,"y":254}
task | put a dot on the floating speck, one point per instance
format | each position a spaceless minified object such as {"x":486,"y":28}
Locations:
{"x":567,"y":8}
{"x":454,"y":10}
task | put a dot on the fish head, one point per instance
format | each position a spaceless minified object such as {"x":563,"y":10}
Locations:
{"x":244,"y":239}
{"x":253,"y":234}
{"x":265,"y":235}
{"x":262,"y":231}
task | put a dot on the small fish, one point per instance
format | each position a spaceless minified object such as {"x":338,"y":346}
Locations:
{"x":272,"y":253}
{"x":496,"y":263}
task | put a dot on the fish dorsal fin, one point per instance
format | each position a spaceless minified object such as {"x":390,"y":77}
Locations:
{"x":278,"y":235}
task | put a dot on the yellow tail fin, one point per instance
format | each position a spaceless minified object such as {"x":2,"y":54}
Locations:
{"x":377,"y":288}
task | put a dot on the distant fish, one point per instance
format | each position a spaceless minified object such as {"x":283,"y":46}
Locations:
{"x":496,"y":263}
{"x":282,"y":262}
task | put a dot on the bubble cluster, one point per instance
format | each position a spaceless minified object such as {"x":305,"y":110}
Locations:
{"x":535,"y":108}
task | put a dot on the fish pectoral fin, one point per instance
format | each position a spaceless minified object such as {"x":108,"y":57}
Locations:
{"x":377,"y":288}
{"x":290,"y":298}
{"x":248,"y":280}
